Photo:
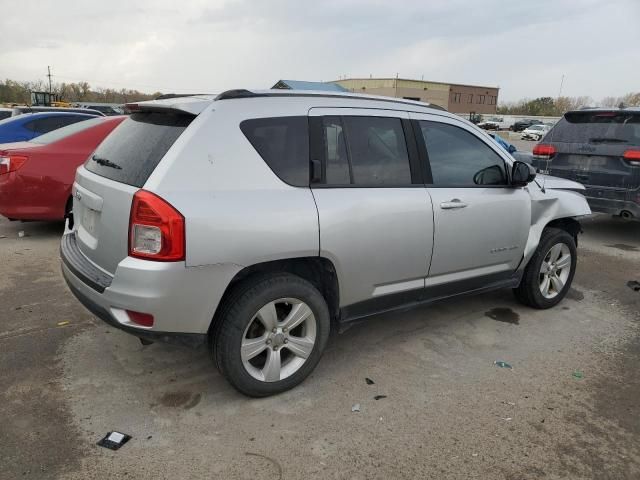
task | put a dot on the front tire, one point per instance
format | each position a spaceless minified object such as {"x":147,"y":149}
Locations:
{"x":548,"y":275}
{"x":271,"y":334}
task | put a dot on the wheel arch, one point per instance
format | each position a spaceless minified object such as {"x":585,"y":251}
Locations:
{"x":319,"y":271}
{"x":569,"y":224}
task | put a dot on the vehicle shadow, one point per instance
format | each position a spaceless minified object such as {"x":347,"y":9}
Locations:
{"x":43,"y":230}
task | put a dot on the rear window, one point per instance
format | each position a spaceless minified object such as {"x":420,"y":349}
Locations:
{"x":81,"y":123}
{"x":597,"y":127}
{"x":135,"y":147}
{"x":283,"y":143}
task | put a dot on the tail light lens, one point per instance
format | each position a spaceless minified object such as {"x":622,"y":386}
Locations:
{"x":156,"y":229}
{"x":143,"y":319}
{"x":633,"y":157}
{"x":543,"y":151}
{"x":11,"y":163}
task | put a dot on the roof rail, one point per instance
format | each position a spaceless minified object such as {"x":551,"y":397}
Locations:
{"x":167,"y":96}
{"x":243,"y":93}
{"x":238,"y":93}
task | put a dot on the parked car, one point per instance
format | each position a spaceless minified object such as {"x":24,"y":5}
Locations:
{"x":238,"y":222}
{"x":493,"y":123}
{"x":5,"y":112}
{"x":535,"y":132}
{"x":36,"y":176}
{"x":104,"y":108}
{"x":20,"y":110}
{"x":520,"y":125}
{"x":503,"y":143}
{"x":29,"y":126}
{"x":599,"y":148}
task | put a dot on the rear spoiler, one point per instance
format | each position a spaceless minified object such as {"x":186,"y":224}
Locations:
{"x":191,"y":105}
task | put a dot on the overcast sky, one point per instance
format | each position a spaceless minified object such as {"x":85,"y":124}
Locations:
{"x":524,"y":47}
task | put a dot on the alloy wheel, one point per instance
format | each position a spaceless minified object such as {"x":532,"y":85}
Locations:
{"x":555,"y":270}
{"x":278,"y":340}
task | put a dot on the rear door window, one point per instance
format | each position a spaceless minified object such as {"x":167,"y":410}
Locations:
{"x":135,"y":147}
{"x":378,"y":151}
{"x":365,"y":151}
{"x":338,"y":171}
{"x":598,"y":128}
{"x":283,"y":143}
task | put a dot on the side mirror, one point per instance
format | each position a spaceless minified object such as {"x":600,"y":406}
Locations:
{"x":522,"y":174}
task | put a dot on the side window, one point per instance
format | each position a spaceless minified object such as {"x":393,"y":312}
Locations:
{"x":459,"y":158}
{"x":335,"y":151}
{"x":377,"y":151}
{"x":48,"y":124}
{"x":70,"y":120}
{"x":283,"y":143}
{"x":30,"y":125}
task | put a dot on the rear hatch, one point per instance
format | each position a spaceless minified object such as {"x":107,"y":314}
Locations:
{"x":119,"y":167}
{"x":590,"y":149}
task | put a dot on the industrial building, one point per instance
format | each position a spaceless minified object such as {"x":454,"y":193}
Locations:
{"x":456,"y":98}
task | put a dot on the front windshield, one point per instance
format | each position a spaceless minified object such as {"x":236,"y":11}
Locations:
{"x":64,"y":132}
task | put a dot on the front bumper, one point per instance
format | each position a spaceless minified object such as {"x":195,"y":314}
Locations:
{"x":182,"y":300}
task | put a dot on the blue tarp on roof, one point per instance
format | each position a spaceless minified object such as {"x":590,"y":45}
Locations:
{"x":302,"y":85}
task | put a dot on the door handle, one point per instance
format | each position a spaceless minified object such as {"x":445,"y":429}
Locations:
{"x":455,"y":203}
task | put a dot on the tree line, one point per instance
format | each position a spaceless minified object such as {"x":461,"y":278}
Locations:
{"x":555,"y":107}
{"x":14,"y":92}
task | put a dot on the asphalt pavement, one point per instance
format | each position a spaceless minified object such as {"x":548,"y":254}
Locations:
{"x":568,"y":407}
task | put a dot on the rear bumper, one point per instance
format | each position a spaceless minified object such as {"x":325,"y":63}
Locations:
{"x":182,"y":300}
{"x":186,"y":339}
{"x":613,"y":206}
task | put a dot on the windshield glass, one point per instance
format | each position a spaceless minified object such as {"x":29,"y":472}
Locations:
{"x":599,"y":127}
{"x":64,"y":132}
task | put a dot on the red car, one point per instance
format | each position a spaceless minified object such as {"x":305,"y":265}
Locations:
{"x":36,"y":176}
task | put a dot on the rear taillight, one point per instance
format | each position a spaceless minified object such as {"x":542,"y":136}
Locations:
{"x":156,"y":229}
{"x":143,"y":319}
{"x":633,"y":157}
{"x":544,"y":151}
{"x":11,"y":163}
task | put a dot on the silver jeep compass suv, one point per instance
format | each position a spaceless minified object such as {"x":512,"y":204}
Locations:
{"x":257,"y":222}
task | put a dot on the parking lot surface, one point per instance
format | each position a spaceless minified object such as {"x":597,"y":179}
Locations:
{"x":567,"y":409}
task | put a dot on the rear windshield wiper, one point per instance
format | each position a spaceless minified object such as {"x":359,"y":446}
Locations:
{"x":607,"y":140}
{"x":105,"y":163}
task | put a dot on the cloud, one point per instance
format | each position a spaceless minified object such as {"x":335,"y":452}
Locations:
{"x":210,"y":46}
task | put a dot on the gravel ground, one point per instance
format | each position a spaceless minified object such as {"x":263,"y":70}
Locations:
{"x":449,"y":412}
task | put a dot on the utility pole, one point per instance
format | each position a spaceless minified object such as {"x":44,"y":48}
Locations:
{"x":49,"y":75}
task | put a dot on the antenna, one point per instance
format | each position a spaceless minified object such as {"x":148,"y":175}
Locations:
{"x":546,"y":168}
{"x":49,"y":75}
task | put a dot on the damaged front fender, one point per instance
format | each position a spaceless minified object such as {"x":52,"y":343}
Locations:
{"x":552,"y":199}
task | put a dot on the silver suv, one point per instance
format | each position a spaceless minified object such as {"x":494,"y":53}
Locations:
{"x":257,"y":222}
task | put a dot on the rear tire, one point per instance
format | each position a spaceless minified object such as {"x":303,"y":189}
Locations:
{"x":252,"y":346}
{"x":548,"y":275}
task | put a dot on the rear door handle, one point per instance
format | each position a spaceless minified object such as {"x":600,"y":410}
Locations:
{"x":455,"y":203}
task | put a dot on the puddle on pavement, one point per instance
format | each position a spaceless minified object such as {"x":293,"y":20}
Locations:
{"x":574,"y":294}
{"x":624,"y":247}
{"x":502,"y":314}
{"x":180,"y":399}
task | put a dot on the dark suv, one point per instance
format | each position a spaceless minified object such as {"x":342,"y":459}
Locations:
{"x":599,"y":148}
{"x":524,"y":124}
